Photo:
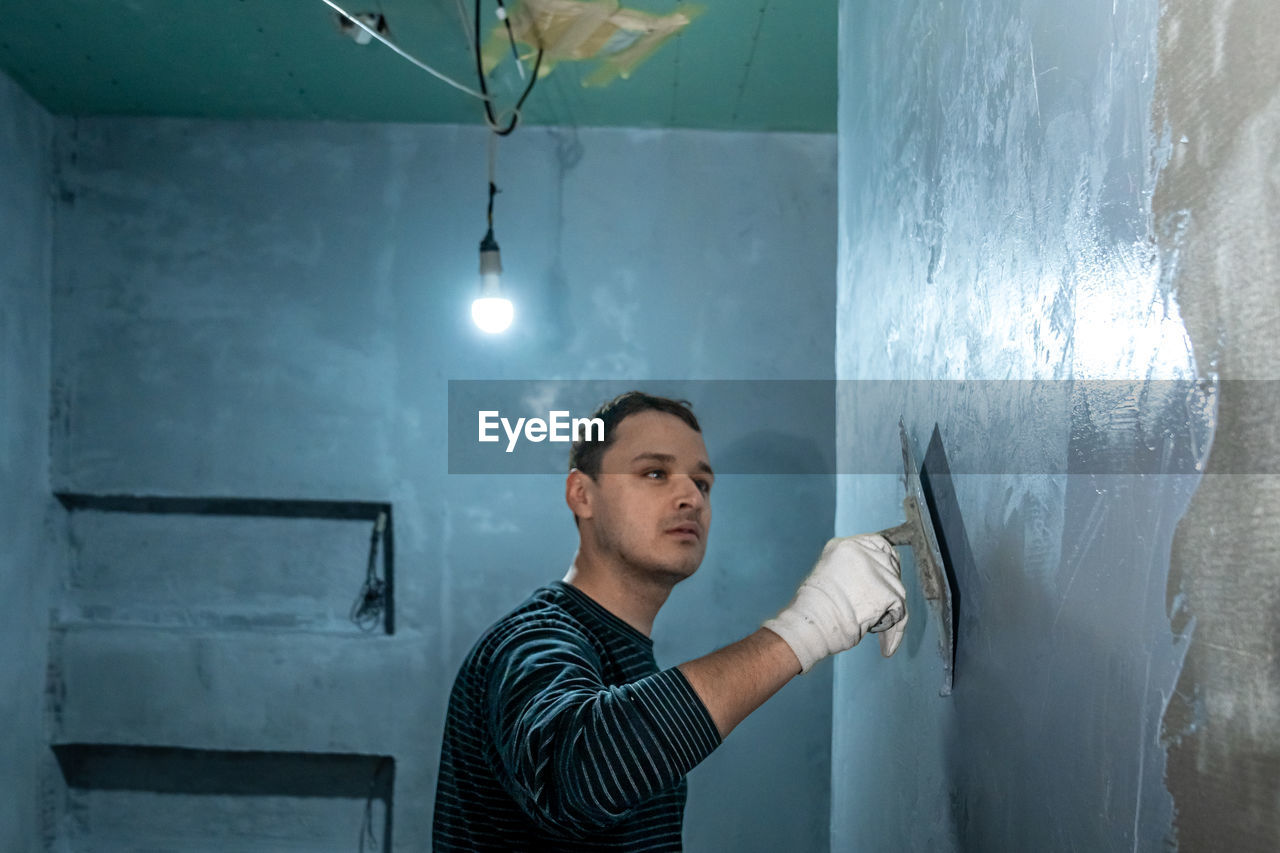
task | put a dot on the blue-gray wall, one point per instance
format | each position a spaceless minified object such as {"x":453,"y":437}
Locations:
{"x":25,"y":209}
{"x":998,"y":164}
{"x":274,"y":310}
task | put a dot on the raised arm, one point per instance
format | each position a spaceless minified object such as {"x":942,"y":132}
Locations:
{"x":854,"y":589}
{"x":580,"y":755}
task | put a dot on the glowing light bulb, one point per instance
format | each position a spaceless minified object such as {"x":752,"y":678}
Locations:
{"x":492,"y":312}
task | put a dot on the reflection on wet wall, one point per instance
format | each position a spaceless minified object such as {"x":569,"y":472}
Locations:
{"x":1041,"y":191}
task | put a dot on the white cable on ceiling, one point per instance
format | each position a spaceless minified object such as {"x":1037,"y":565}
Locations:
{"x":493,"y":125}
{"x":466,"y":26}
{"x":424,"y":66}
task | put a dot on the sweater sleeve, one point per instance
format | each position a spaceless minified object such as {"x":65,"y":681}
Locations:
{"x":579,"y":755}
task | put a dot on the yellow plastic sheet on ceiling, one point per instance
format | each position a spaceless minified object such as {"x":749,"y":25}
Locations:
{"x":573,"y":30}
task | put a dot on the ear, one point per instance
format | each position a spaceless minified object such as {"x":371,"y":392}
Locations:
{"x":577,"y":493}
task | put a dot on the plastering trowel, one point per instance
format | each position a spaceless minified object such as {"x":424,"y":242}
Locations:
{"x":919,"y":534}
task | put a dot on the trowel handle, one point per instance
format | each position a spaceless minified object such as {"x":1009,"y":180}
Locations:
{"x":887,"y":621}
{"x":900,"y":535}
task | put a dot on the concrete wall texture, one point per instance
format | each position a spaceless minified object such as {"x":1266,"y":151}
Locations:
{"x":25,"y":558}
{"x":273,"y":310}
{"x":1217,"y":205}
{"x":1038,"y":191}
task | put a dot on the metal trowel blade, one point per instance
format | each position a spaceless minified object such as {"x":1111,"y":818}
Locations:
{"x":919,"y":533}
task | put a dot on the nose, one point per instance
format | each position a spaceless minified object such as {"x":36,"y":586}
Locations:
{"x":689,"y":496}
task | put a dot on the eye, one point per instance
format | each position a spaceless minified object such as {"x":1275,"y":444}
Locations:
{"x":704,"y":486}
{"x":656,"y":474}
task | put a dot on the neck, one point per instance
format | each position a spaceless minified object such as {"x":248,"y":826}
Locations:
{"x":631,"y":596}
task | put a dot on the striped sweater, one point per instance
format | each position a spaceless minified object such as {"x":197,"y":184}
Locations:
{"x":563,"y":735}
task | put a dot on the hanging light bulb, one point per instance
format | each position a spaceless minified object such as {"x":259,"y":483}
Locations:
{"x":491,"y":311}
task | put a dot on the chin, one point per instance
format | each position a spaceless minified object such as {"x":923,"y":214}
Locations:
{"x":673,"y":571}
{"x":685,"y":568}
{"x":660,"y":560}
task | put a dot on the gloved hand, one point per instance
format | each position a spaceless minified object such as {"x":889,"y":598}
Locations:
{"x":855,"y":588}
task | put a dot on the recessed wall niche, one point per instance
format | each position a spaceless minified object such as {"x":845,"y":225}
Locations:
{"x":220,"y":563}
{"x":124,"y":799}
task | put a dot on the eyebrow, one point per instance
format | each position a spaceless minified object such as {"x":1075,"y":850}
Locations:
{"x":669,"y":459}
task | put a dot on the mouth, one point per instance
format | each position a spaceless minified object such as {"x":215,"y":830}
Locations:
{"x":691,"y":532}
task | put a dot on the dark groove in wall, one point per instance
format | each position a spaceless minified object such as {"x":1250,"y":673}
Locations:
{"x":178,"y":770}
{"x":338,"y":510}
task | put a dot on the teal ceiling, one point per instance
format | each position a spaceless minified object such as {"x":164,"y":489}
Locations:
{"x":740,"y":65}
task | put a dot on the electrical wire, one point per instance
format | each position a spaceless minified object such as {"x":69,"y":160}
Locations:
{"x":493,"y":187}
{"x":465,"y":19}
{"x":474,"y":39}
{"x":366,"y":824}
{"x":484,"y":87}
{"x":367,"y":609}
{"x":482,"y":95}
{"x":511,"y":37}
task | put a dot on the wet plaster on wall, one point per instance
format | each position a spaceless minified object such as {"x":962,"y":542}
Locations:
{"x":1218,"y":208}
{"x":997,"y":162}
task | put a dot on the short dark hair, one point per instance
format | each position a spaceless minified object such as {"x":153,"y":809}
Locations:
{"x":586,"y":455}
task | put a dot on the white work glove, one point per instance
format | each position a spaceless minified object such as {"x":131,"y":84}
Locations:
{"x":855,"y":588}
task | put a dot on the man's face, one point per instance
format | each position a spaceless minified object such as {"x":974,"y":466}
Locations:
{"x":651,"y":503}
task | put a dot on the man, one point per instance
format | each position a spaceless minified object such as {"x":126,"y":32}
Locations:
{"x":562,"y":733}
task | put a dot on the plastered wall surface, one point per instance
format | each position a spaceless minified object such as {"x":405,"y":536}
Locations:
{"x":274,"y":310}
{"x":25,"y":209}
{"x":997,"y":168}
{"x":1218,"y":208}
